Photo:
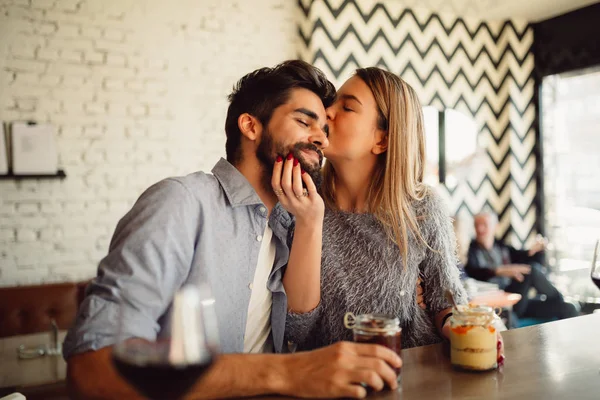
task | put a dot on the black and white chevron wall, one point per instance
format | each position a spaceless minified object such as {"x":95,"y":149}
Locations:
{"x":483,"y":69}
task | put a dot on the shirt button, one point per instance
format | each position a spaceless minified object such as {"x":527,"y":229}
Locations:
{"x":250,"y":286}
{"x":402,"y":293}
{"x":262,"y":210}
{"x":259,"y":238}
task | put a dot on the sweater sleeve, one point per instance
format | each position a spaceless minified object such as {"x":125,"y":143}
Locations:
{"x":299,"y":328}
{"x":439,"y":268}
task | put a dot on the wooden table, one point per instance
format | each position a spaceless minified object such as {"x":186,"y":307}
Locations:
{"x":18,"y":375}
{"x":556,"y":360}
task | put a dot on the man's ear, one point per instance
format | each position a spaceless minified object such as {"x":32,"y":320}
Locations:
{"x":250,"y":127}
{"x":381,"y":142}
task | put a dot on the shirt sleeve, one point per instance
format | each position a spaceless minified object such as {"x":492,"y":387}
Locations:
{"x":439,"y":269}
{"x":523,"y":257}
{"x":149,"y":258}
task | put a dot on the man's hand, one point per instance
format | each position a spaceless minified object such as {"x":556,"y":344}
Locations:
{"x":338,"y":371}
{"x":539,"y":245}
{"x":514,"y":271}
{"x":420,"y":299}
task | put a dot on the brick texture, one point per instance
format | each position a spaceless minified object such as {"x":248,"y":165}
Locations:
{"x":137,"y":90}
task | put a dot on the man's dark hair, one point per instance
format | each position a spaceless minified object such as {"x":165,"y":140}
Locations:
{"x":260,"y":92}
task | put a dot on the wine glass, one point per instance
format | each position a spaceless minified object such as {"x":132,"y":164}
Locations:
{"x":596,"y":265}
{"x":168,"y":366}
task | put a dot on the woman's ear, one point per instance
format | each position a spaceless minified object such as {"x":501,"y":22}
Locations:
{"x":249,"y":126}
{"x":381,"y":142}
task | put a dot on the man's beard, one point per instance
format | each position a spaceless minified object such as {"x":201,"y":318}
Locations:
{"x":268,"y":151}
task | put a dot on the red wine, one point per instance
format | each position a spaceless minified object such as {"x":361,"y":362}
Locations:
{"x":154,"y":377}
{"x":596,"y":280}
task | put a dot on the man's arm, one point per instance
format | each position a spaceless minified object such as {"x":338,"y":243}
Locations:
{"x":333,"y":371}
{"x":230,"y":376}
{"x":526,"y":256}
{"x":83,"y":377}
{"x":483,"y":272}
{"x":474,"y":269}
{"x":517,"y":256}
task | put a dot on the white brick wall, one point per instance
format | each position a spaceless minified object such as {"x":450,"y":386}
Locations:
{"x":137,"y":90}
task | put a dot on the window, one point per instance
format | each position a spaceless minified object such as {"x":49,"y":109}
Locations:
{"x":570,"y":105}
{"x":451,"y":145}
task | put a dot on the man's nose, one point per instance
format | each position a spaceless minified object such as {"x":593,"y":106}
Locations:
{"x":319,"y":139}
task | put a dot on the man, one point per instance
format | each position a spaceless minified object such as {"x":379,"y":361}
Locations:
{"x":216,"y":228}
{"x":515,"y":271}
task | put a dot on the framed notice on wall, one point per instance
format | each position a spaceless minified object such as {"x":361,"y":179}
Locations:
{"x":34,"y":148}
{"x":3,"y":151}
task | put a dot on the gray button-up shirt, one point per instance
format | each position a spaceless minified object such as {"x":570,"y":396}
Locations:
{"x":183,"y":230}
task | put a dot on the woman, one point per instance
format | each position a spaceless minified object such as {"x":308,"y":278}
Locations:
{"x":383,"y":228}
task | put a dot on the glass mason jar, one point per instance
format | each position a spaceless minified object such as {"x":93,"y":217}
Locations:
{"x":473,"y":341}
{"x":376,"y":329}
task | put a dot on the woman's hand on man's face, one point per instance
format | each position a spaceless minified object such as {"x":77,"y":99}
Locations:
{"x":304,"y":203}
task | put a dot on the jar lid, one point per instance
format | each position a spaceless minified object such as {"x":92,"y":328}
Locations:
{"x":478,"y":313}
{"x":372,"y":322}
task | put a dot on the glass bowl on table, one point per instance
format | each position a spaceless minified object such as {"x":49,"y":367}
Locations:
{"x":186,"y":347}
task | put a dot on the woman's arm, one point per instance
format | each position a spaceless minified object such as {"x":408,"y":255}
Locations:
{"x":439,"y":268}
{"x":442,"y":322}
{"x":302,"y":279}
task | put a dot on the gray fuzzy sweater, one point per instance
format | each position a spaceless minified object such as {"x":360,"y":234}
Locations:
{"x":363,"y":272}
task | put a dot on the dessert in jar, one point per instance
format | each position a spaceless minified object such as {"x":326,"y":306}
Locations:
{"x":473,"y":341}
{"x":376,"y":329}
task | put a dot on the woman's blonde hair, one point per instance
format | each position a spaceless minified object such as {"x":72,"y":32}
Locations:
{"x":397,"y":182}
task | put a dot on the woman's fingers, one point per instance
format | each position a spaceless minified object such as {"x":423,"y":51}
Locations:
{"x":500,"y":349}
{"x":310,"y":185}
{"x":286,"y":177}
{"x":297,"y":180}
{"x":276,"y":177}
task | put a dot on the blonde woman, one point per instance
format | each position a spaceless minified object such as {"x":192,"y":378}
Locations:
{"x":383,"y":228}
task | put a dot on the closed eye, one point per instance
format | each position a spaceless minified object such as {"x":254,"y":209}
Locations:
{"x":347,"y":109}
{"x":302,"y":123}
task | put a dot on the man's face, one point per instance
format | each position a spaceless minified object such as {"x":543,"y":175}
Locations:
{"x":296,"y":127}
{"x":484,"y":228}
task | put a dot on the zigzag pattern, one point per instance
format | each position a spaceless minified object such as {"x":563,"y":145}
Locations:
{"x":395,"y":21}
{"x":482,"y":69}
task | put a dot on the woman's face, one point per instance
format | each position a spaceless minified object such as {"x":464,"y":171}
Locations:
{"x":352,"y":119}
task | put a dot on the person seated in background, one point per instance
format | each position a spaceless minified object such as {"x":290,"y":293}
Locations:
{"x":515,"y":271}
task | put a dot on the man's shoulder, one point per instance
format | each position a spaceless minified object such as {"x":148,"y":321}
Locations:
{"x":197,"y":185}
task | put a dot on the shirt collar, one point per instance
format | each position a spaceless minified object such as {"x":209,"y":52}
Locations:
{"x":238,"y":190}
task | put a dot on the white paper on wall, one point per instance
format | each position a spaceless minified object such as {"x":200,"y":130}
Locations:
{"x":3,"y":151}
{"x":34,"y":148}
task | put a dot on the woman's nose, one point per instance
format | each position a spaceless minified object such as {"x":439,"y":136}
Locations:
{"x":330,"y":113}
